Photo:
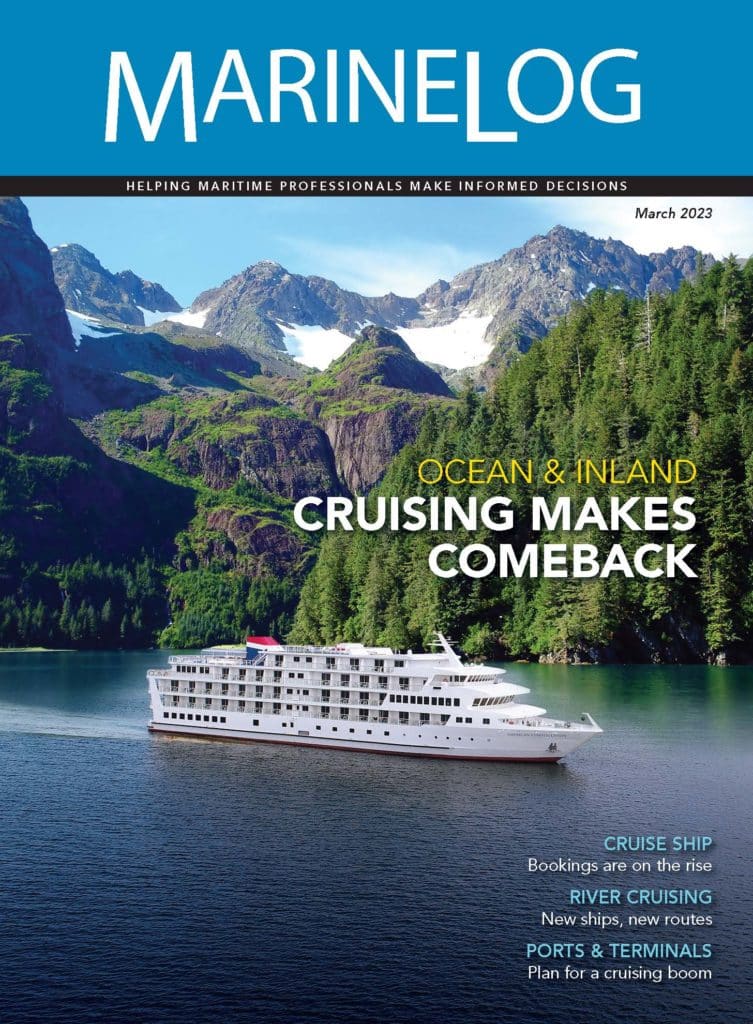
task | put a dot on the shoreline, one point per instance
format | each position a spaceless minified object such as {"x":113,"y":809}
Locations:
{"x":574,"y":662}
{"x":37,"y":650}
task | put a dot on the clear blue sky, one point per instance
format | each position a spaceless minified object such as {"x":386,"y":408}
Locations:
{"x":371,"y":245}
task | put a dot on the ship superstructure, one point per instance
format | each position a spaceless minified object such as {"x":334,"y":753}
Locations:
{"x":360,"y":698}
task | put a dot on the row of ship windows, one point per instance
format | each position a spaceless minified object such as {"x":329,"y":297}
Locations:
{"x":487,"y":701}
{"x":353,"y":663}
{"x":326,"y":677}
{"x":333,"y":728}
{"x":345,"y":695}
{"x":343,"y":677}
{"x":181,"y":716}
{"x":277,"y":709}
{"x":404,"y":698}
{"x":354,"y":666}
{"x":403,"y":718}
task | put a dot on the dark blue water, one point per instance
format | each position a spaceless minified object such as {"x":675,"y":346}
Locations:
{"x":144,"y":879}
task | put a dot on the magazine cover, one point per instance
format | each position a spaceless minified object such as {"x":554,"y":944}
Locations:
{"x":375,"y":381}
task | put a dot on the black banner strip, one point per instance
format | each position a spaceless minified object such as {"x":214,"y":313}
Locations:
{"x":379,"y":185}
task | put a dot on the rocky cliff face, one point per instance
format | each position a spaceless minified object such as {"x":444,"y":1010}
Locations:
{"x":36,"y":340}
{"x":364,"y":443}
{"x":252,"y":544}
{"x":329,"y":433}
{"x":87,"y":287}
{"x":238,"y":437}
{"x":30,"y":303}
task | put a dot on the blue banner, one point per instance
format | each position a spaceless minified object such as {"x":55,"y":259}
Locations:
{"x":408,"y":89}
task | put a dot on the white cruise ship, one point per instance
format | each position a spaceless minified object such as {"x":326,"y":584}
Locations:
{"x":355,"y":697}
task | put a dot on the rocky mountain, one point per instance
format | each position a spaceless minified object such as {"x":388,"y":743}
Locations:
{"x":88,"y":288}
{"x":526,"y":291}
{"x":255,"y":303}
{"x":146,"y":294}
{"x":110,"y":359}
{"x":486,"y":314}
{"x":480,"y":320}
{"x":379,"y":356}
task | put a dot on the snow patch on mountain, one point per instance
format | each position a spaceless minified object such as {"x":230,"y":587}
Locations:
{"x":153,"y":316}
{"x":83,"y":326}
{"x":456,"y":345}
{"x":186,"y":317}
{"x":314,"y":346}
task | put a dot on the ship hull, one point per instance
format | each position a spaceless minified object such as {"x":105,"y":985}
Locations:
{"x":513,"y":748}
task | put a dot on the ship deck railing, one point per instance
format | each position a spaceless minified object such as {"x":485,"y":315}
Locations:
{"x":208,"y":659}
{"x":584,"y":724}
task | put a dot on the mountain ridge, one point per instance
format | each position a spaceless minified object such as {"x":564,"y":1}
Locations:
{"x":497,"y":309}
{"x":278,"y":296}
{"x":88,"y":287}
{"x":481,"y":319}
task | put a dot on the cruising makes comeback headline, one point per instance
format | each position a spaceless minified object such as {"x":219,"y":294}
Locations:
{"x":561,"y":514}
